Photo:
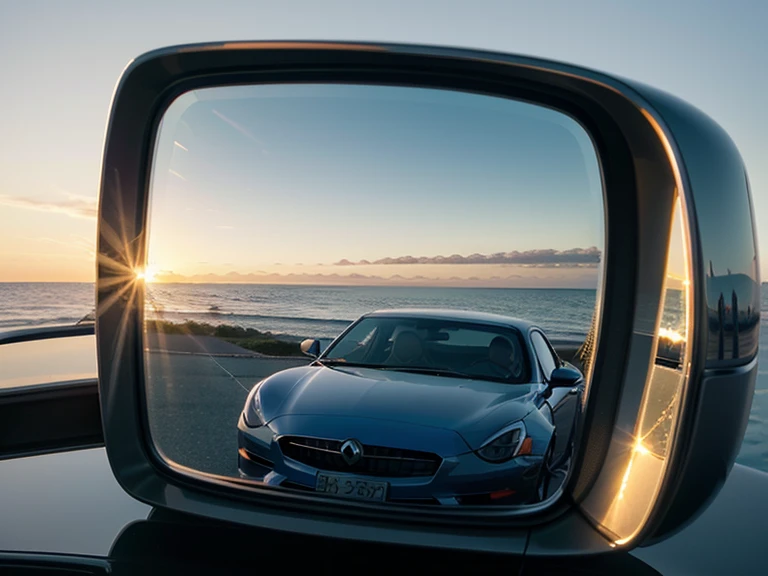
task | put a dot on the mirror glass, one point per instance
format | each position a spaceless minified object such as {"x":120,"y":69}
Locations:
{"x":444,"y":249}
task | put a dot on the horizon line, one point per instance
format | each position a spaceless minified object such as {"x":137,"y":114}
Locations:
{"x":312,"y":285}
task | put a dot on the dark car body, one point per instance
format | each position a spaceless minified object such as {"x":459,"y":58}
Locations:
{"x":420,"y":433}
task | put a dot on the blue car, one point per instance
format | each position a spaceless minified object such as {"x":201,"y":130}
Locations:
{"x":417,"y":407}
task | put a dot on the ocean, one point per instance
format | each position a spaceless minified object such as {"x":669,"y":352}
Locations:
{"x":323,"y":311}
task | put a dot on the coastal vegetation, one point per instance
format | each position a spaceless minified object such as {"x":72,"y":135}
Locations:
{"x":248,"y":338}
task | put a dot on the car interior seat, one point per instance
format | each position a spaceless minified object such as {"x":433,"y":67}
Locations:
{"x":407,"y":349}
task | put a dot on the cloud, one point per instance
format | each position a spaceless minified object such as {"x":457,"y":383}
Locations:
{"x":589,"y":257}
{"x":75,"y":206}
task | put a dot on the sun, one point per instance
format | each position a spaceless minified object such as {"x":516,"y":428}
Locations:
{"x":148,"y":274}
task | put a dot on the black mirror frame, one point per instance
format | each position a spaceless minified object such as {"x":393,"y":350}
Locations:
{"x":650,"y":146}
{"x":555,"y":383}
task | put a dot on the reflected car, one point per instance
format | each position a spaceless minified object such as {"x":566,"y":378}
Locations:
{"x":420,"y":407}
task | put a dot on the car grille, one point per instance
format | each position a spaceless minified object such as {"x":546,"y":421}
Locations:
{"x":376,"y":460}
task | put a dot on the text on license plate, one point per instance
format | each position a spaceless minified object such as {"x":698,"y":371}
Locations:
{"x":351,"y":487}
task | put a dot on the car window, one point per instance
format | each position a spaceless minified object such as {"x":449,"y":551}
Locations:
{"x":477,"y":350}
{"x":547,"y":360}
{"x":357,"y":341}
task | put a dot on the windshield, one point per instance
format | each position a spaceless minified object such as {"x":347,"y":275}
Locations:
{"x":448,"y":347}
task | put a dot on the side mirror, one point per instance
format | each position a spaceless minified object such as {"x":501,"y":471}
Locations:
{"x":311,"y":347}
{"x":564,"y":377}
{"x":656,"y":438}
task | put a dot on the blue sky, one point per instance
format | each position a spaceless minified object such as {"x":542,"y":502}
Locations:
{"x":60,"y":60}
{"x":281,"y":175}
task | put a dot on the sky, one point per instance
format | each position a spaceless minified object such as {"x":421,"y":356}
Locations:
{"x":374,"y":181}
{"x":60,"y":61}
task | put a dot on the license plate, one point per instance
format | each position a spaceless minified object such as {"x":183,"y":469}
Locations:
{"x":351,"y":487}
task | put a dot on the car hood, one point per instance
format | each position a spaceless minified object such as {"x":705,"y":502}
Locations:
{"x":472,"y":408}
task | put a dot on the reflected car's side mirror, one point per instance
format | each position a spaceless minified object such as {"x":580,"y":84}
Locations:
{"x":564,"y":377}
{"x":310,"y":347}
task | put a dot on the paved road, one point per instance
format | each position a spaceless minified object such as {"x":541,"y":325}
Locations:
{"x":191,"y":344}
{"x":194,"y":402}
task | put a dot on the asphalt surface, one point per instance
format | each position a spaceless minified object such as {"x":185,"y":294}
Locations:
{"x":195,"y":400}
{"x":192,"y":344}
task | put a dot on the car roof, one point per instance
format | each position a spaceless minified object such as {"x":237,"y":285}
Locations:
{"x":450,"y":314}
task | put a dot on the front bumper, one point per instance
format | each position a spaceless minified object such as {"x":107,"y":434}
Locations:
{"x":461,"y":479}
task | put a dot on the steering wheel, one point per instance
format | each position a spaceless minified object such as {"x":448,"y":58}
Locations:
{"x":496,"y":368}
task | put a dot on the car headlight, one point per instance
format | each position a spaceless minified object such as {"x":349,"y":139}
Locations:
{"x":503,"y":445}
{"x":253,"y":414}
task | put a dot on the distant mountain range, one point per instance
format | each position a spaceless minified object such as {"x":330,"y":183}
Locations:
{"x":587,"y":280}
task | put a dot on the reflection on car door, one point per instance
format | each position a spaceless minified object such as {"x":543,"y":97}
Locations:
{"x":563,"y":401}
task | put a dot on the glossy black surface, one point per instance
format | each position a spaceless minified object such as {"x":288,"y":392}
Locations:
{"x":728,"y":247}
{"x":564,"y":376}
{"x":86,"y":516}
{"x":67,"y":503}
{"x":49,"y":418}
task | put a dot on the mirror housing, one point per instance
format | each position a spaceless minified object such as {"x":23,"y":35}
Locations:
{"x":656,"y":153}
{"x":564,"y":377}
{"x":310,"y":347}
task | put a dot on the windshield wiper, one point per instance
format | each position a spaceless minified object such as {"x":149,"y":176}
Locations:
{"x":331,"y":362}
{"x":448,"y":373}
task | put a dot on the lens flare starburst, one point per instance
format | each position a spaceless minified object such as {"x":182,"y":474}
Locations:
{"x":148,"y":274}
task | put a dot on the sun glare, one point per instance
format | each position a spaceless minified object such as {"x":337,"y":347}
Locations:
{"x":670,"y":334}
{"x":147,"y":274}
